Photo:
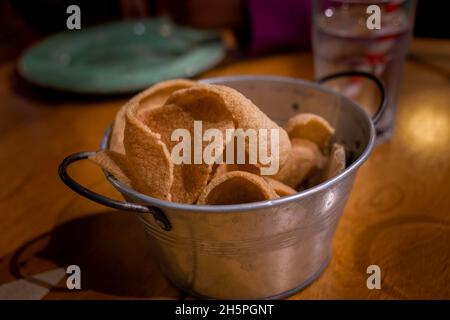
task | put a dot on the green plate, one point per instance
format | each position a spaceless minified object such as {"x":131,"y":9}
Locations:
{"x":120,"y":57}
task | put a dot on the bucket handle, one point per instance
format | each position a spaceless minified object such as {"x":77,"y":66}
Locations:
{"x":159,"y":216}
{"x":383,"y":100}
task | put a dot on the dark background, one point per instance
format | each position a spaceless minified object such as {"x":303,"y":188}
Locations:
{"x":22,"y":22}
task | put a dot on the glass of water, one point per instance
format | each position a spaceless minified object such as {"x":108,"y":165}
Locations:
{"x":364,"y":35}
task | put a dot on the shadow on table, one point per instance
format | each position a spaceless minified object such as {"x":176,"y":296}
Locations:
{"x":111,"y":250}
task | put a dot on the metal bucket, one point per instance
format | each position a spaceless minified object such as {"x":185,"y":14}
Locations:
{"x":267,"y":249}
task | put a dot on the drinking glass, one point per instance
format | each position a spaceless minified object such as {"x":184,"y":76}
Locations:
{"x":347,"y":36}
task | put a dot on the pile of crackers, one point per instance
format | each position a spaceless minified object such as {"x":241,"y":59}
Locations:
{"x":139,"y":154}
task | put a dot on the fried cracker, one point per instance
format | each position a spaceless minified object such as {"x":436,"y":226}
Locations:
{"x":114,"y":163}
{"x":150,"y":165}
{"x":189,"y":179}
{"x":154,"y":96}
{"x":311,"y":127}
{"x":244,"y":113}
{"x":304,"y":158}
{"x":236,"y":187}
{"x":336,"y":162}
{"x":280,"y":188}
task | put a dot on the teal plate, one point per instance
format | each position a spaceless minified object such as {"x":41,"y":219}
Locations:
{"x":120,"y":57}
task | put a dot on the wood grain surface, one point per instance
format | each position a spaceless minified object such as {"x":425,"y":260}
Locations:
{"x":397,"y":217}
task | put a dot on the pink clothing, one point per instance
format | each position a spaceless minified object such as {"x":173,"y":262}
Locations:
{"x":279,"y":23}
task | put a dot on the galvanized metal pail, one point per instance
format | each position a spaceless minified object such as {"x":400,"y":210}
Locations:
{"x":267,"y":249}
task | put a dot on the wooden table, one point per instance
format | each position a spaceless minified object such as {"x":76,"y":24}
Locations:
{"x":398,"y":215}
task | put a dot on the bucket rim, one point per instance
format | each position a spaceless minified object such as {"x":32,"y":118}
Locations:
{"x":245,"y":207}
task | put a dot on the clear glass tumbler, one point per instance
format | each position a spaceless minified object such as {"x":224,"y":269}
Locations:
{"x":365,"y":35}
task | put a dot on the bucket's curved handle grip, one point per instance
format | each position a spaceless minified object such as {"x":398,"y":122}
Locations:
{"x":383,"y":100}
{"x":160,"y":218}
